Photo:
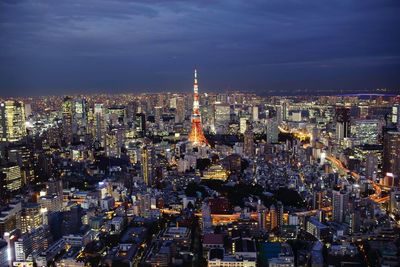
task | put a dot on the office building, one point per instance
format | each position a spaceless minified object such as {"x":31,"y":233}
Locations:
{"x":366,"y":131}
{"x":12,"y":121}
{"x":11,"y":178}
{"x":342,"y":123}
{"x":248,"y":146}
{"x":340,"y":203}
{"x":391,"y":153}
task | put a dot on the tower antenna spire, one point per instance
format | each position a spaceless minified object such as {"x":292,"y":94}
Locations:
{"x":196,"y":135}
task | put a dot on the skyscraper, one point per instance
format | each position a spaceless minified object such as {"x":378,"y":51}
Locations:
{"x":248,"y":146}
{"x":366,"y":131}
{"x":342,"y":123}
{"x":147,"y":163}
{"x":11,"y":178}
{"x":391,"y":153}
{"x":340,"y":201}
{"x":31,"y":217}
{"x":279,"y":213}
{"x":80,"y":120}
{"x":222,"y":113}
{"x":396,"y":115}
{"x":100,"y":125}
{"x":140,"y":124}
{"x":272,"y":131}
{"x":12,"y":121}
{"x":255,"y":113}
{"x":67,"y":109}
{"x":273,"y":217}
{"x":196,"y":135}
{"x":180,"y":110}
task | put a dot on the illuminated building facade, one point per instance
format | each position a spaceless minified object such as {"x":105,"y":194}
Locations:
{"x":12,"y":121}
{"x":215,"y":172}
{"x":12,"y":179}
{"x":31,"y":217}
{"x":366,"y":131}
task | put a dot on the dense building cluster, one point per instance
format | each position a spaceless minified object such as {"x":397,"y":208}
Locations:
{"x":204,"y":179}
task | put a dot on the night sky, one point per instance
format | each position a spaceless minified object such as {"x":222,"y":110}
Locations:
{"x":70,"y":46}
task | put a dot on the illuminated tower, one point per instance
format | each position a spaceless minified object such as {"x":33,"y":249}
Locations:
{"x":196,"y":135}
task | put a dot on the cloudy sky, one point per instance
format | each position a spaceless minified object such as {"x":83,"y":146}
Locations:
{"x":69,"y":46}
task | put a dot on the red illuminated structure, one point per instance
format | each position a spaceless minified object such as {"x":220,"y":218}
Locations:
{"x":196,"y":135}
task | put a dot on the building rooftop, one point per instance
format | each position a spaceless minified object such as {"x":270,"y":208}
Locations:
{"x":213,"y":239}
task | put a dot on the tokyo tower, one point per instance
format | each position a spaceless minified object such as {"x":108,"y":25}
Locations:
{"x":196,"y":136}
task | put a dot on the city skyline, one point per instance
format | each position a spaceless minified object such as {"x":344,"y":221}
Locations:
{"x":209,"y":133}
{"x":268,"y":48}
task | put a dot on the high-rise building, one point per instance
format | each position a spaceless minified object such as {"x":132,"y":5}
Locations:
{"x":115,"y":139}
{"x":248,"y":146}
{"x":12,"y":121}
{"x":340,"y":203}
{"x":31,"y":217}
{"x":206,"y":217}
{"x":72,"y":219}
{"x":391,"y":153}
{"x":262,"y":216}
{"x":284,"y":109}
{"x":255,"y":113}
{"x":147,"y":164}
{"x":158,"y":115}
{"x":222,"y":117}
{"x":279,"y":114}
{"x":116,"y":115}
{"x":23,"y":247}
{"x":10,"y":218}
{"x":3,"y":253}
{"x":243,"y":124}
{"x":318,"y":197}
{"x":140,"y":124}
{"x":366,"y":131}
{"x":394,"y":206}
{"x":273,"y":217}
{"x":196,"y":135}
{"x":314,"y":136}
{"x":279,"y":214}
{"x":67,"y":114}
{"x":75,"y":120}
{"x":41,"y":238}
{"x":371,"y":165}
{"x":11,"y":178}
{"x":342,"y":123}
{"x":100,"y":124}
{"x":180,"y":110}
{"x":396,"y":115}
{"x":80,"y":120}
{"x":272,"y":131}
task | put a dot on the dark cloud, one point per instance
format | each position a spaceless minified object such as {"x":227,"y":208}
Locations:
{"x":51,"y":46}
